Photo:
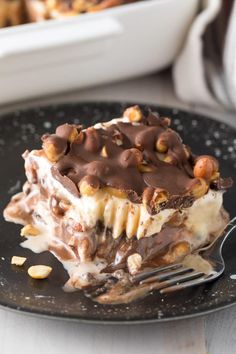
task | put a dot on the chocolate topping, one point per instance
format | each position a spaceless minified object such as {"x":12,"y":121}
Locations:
{"x":65,"y":181}
{"x":222,"y":183}
{"x":130,"y":157}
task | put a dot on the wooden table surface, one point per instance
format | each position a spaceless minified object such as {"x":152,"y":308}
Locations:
{"x":213,"y":334}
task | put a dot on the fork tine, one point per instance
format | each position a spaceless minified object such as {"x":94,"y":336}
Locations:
{"x":148,"y":273}
{"x":166,"y":275}
{"x":179,"y":279}
{"x":185,"y":285}
{"x":199,"y":278}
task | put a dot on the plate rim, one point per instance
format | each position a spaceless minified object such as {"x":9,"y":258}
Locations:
{"x":38,"y":314}
{"x":105,"y":102}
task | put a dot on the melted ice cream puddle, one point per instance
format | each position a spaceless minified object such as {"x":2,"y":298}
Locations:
{"x":199,"y":264}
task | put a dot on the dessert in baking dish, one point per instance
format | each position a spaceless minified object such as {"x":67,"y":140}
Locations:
{"x":11,"y":13}
{"x":48,"y":9}
{"x":117,"y":198}
{"x":16,"y":12}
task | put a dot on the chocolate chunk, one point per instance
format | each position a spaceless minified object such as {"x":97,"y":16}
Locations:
{"x":65,"y":181}
{"x":130,"y":157}
{"x":222,"y":183}
{"x":178,"y":203}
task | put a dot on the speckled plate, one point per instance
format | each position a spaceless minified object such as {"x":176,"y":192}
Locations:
{"x":22,"y":130}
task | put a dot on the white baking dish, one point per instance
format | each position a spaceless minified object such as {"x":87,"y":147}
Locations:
{"x":59,"y":55}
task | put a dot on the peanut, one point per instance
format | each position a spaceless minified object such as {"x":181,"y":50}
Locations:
{"x":87,"y":188}
{"x":131,"y":157}
{"x":39,"y":271}
{"x":144,"y":168}
{"x":161,"y":145}
{"x":205,"y":167}
{"x":134,"y":114}
{"x":19,"y":261}
{"x":147,"y":195}
{"x":159,"y":196}
{"x":29,"y":230}
{"x":68,"y":132}
{"x":54,"y":147}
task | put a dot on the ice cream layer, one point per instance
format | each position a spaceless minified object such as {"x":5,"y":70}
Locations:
{"x":72,"y":235}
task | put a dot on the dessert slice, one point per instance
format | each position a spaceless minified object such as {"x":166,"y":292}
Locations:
{"x":117,"y":198}
{"x":48,"y":9}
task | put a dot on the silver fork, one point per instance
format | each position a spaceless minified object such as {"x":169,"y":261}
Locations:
{"x":177,"y":276}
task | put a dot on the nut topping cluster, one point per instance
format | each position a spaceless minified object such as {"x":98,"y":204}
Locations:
{"x":140,"y":158}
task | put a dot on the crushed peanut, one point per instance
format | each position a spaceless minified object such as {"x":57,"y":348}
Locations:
{"x":104,"y":152}
{"x":80,"y":138}
{"x":134,"y":263}
{"x":169,"y":159}
{"x":19,"y":261}
{"x":115,"y":192}
{"x":119,"y":142}
{"x":198,"y":187}
{"x":73,"y":135}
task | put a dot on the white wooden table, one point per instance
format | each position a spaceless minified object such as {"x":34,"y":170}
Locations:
{"x":215,"y":334}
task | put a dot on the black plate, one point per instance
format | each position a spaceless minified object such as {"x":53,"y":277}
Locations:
{"x":21,"y":130}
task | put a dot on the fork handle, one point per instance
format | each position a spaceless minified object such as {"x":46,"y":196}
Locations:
{"x":219,"y":242}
